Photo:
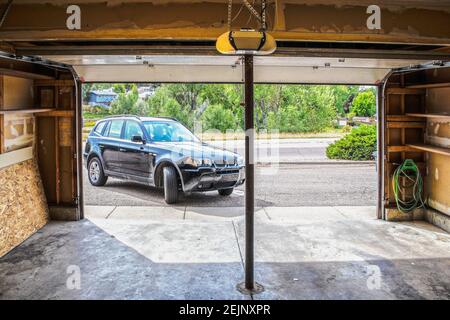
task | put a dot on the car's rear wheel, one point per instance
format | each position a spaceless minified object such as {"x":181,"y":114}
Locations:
{"x":95,"y":173}
{"x":170,"y":185}
{"x":226,"y":192}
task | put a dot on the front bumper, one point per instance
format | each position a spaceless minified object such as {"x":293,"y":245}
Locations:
{"x":212,"y":178}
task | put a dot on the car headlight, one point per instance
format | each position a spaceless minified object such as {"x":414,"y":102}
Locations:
{"x":240,"y":161}
{"x":198,"y":162}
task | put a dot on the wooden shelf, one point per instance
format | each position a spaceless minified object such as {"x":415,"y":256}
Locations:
{"x":30,"y":110}
{"x":429,"y":115}
{"x":59,"y":83}
{"x":401,"y":118}
{"x":430,"y":148}
{"x":406,"y":148}
{"x":406,"y":125}
{"x":429,"y":85}
{"x":57,"y":113}
{"x":405,"y":91}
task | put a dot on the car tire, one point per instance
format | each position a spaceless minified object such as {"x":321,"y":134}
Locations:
{"x":170,"y":185}
{"x":226,"y":192}
{"x":96,"y":174}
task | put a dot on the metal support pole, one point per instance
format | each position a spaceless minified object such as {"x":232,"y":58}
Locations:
{"x":249,"y":286}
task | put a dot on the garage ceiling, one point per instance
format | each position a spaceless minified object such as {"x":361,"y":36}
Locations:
{"x":228,"y":69}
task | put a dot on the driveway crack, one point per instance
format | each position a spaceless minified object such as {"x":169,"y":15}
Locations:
{"x":109,"y":214}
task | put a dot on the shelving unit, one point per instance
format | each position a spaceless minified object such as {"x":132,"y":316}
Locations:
{"x":409,"y":102}
{"x":402,"y":129}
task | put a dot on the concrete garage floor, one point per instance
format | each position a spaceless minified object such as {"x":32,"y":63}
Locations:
{"x":196,"y":253}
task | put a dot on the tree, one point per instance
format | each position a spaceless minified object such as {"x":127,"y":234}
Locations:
{"x":292,"y":108}
{"x":344,"y":96}
{"x":119,"y":88}
{"x":186,"y":94}
{"x":364,"y":104}
{"x":162,"y":103}
{"x":304,"y":109}
{"x":218,"y":117}
{"x":126,"y":103}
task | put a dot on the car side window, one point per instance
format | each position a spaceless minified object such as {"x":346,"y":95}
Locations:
{"x":115,"y":129}
{"x":99,"y":128}
{"x":132,"y":128}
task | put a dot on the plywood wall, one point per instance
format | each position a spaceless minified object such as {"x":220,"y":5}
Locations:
{"x":23,"y":207}
{"x":438,"y":134}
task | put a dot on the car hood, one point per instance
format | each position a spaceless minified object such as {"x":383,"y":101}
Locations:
{"x":199,"y":151}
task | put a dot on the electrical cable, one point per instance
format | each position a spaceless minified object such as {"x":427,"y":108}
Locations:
{"x":408,"y":192}
{"x":5,"y":13}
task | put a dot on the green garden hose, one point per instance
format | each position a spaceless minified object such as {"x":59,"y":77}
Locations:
{"x":411,"y":191}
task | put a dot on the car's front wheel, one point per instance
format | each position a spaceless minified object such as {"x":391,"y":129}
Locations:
{"x":95,"y":173}
{"x":170,"y":185}
{"x":226,"y":192}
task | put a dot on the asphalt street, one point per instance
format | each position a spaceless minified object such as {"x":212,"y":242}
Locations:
{"x":287,"y":185}
{"x":282,"y":150}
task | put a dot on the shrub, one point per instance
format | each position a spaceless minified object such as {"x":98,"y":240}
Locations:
{"x":347,"y":129}
{"x":359,"y":144}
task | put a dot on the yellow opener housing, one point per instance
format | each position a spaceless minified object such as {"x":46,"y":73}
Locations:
{"x":246,"y":42}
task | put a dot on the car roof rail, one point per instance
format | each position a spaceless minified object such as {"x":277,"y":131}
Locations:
{"x":122,"y":116}
{"x":169,"y":118}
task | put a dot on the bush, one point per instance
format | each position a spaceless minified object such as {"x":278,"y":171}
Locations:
{"x":347,"y":129}
{"x":359,"y":144}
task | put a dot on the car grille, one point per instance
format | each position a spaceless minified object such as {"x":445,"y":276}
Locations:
{"x":228,"y":171}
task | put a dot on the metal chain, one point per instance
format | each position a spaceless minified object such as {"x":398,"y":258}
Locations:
{"x":230,"y":7}
{"x":263,"y":15}
{"x":252,"y":10}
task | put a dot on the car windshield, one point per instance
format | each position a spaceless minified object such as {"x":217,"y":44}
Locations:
{"x":169,"y":131}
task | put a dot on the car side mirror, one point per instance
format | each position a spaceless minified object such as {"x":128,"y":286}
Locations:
{"x":138,"y":139}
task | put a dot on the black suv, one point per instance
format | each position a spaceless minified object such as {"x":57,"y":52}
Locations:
{"x":160,"y":152}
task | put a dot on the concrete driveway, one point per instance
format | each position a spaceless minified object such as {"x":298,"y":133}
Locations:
{"x":196,"y":253}
{"x":290,"y":185}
